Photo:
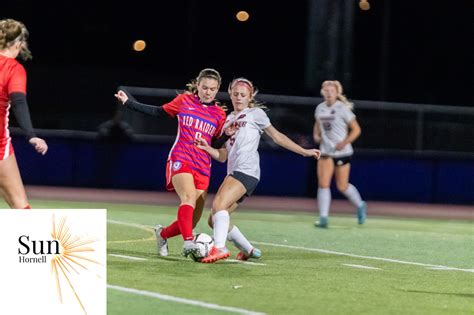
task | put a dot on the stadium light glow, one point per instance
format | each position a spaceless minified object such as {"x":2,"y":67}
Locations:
{"x":242,"y":16}
{"x":139,"y":45}
{"x":364,"y":5}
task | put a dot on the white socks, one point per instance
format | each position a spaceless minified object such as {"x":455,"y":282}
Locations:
{"x":353,"y":195}
{"x":221,"y":227}
{"x":324,"y":201}
{"x":239,"y":240}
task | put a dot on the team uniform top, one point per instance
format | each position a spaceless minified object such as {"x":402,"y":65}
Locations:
{"x":333,"y":121}
{"x":195,"y":120}
{"x":12,"y":79}
{"x":242,"y":147}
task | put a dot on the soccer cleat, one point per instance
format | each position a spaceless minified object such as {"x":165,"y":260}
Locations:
{"x":254,"y":253}
{"x":215,"y":255}
{"x":362,"y":213}
{"x":161,"y":243}
{"x":322,"y":223}
{"x":190,"y":248}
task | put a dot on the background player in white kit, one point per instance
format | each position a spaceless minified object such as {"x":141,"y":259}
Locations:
{"x":333,"y":118}
{"x":247,"y":123}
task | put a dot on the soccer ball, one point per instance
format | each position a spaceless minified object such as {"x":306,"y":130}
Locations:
{"x":205,"y":244}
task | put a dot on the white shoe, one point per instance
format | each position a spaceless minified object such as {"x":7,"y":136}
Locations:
{"x":190,"y":248}
{"x":161,"y":243}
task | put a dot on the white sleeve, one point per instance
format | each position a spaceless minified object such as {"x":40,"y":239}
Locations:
{"x":348,"y":115}
{"x":261,"y":119}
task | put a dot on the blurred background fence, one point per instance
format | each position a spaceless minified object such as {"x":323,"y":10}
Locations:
{"x":407,"y":152}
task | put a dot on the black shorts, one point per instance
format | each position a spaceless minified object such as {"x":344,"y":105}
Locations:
{"x":340,"y":161}
{"x":249,"y":182}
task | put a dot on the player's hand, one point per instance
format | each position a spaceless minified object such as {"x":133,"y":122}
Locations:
{"x":312,"y":153}
{"x":340,"y":145}
{"x":231,"y":130}
{"x":201,"y":144}
{"x":121,"y":96}
{"x":39,"y":144}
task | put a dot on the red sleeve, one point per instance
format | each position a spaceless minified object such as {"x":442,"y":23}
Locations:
{"x":220,"y":124}
{"x":173,"y":108}
{"x":17,"y":82}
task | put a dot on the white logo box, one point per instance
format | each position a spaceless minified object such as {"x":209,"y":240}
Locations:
{"x":53,"y":261}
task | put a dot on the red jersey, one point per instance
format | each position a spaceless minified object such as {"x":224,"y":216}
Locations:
{"x":195,"y":119}
{"x":12,"y":79}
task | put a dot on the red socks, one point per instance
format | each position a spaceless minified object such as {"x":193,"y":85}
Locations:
{"x":171,"y":230}
{"x":185,"y":221}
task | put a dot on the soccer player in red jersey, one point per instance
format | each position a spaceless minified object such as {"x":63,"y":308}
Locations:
{"x":188,"y":168}
{"x":13,"y":43}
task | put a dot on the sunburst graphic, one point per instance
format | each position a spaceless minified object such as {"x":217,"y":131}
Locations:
{"x":75,"y":256}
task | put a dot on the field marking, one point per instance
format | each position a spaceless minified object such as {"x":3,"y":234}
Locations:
{"x":244,"y":262}
{"x":361,"y":256}
{"x":184,"y":301}
{"x":128,"y":257}
{"x":446,"y":268}
{"x":183,"y":258}
{"x":147,"y":228}
{"x":361,"y":267}
{"x":140,"y":226}
{"x":325,"y":251}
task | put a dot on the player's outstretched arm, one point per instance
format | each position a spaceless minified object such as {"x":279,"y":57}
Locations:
{"x":217,"y":154}
{"x":139,"y":107}
{"x":288,"y":144}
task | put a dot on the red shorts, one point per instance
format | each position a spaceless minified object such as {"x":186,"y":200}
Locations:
{"x":201,"y":182}
{"x":6,"y":148}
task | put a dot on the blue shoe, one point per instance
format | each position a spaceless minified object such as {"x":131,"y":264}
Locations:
{"x":362,"y":213}
{"x":322,"y":223}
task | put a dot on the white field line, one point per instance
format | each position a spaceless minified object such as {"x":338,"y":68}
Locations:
{"x":128,"y":257}
{"x":361,"y":256}
{"x":183,"y":258}
{"x":325,"y":251}
{"x":362,"y":267}
{"x":447,"y":268}
{"x":244,"y":262}
{"x":183,"y":300}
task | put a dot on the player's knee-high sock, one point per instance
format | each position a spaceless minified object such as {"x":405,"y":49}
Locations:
{"x":324,"y":201}
{"x":221,"y":227}
{"x":353,"y":195}
{"x":171,"y":230}
{"x":185,"y":221}
{"x":239,"y":240}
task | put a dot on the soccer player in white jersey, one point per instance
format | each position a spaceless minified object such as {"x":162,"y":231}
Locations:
{"x":245,"y":126}
{"x":333,"y":118}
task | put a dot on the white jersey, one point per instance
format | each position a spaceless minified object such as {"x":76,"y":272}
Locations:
{"x":242,"y":147}
{"x":333,"y":125}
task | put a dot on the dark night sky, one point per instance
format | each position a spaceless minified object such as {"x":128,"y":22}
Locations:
{"x":84,"y":48}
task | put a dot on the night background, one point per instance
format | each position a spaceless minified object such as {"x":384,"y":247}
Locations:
{"x":406,"y":65}
{"x":400,"y":51}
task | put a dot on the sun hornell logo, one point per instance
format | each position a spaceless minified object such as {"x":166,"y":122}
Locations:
{"x":67,"y":252}
{"x":36,"y":251}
